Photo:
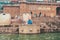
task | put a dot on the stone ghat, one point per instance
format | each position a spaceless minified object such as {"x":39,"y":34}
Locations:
{"x":8,"y":30}
{"x":28,"y":29}
{"x":24,"y":29}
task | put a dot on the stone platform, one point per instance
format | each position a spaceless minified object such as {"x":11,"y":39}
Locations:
{"x":29,"y":29}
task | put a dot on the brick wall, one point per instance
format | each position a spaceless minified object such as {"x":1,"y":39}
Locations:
{"x":48,"y":10}
{"x":13,"y":10}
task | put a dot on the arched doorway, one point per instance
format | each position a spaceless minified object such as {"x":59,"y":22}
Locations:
{"x":58,"y":11}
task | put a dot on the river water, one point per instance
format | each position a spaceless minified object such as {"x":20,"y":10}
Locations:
{"x":42,"y":36}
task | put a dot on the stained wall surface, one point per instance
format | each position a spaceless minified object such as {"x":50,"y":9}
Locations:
{"x":48,"y":10}
{"x":13,"y":10}
{"x":44,"y":9}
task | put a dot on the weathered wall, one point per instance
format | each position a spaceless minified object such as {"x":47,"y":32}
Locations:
{"x":48,"y":10}
{"x":8,"y":30}
{"x":29,"y":29}
{"x":13,"y":10}
{"x":45,"y":9}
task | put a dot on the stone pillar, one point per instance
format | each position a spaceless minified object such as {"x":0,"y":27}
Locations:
{"x":22,"y":9}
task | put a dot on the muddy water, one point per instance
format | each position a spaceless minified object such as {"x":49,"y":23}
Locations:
{"x":43,"y":36}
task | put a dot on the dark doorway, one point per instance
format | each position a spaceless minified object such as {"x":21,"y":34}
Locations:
{"x":39,"y":14}
{"x":31,"y":13}
{"x":58,"y":11}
